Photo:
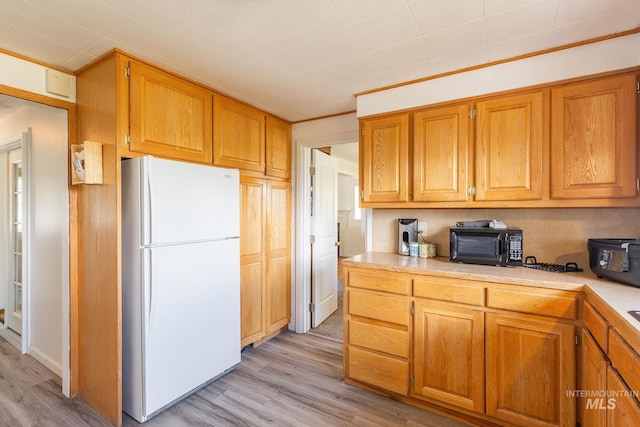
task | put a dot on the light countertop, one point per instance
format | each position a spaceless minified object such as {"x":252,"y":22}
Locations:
{"x":621,"y":298}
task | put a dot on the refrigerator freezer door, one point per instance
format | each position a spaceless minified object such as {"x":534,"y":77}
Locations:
{"x":184,"y":202}
{"x":191,"y":318}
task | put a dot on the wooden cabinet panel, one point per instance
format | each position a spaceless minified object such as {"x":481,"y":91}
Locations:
{"x":239,"y":135}
{"x":387,"y":308}
{"x":448,"y":289}
{"x":278,"y":148}
{"x":530,"y":366}
{"x":265,"y":261}
{"x":548,"y":302}
{"x":252,"y":265}
{"x":384,"y":146}
{"x":510,"y":138}
{"x":251,"y":303}
{"x":441,"y":150}
{"x":622,"y":410}
{"x":594,"y":139}
{"x":379,"y":282}
{"x":449,"y":354}
{"x":379,"y":338}
{"x":594,"y":379}
{"x":168,"y":116}
{"x":278,"y":255}
{"x":596,"y":324}
{"x":625,"y":360}
{"x":379,"y":370}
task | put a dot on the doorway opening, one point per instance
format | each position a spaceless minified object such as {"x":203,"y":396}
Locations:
{"x":14,"y":272}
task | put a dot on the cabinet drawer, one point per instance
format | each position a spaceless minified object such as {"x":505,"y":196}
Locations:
{"x":387,"y":308}
{"x":446,"y":289}
{"x":381,"y":371}
{"x":379,"y":338}
{"x":596,"y":324}
{"x":546,"y":302}
{"x":380,"y":282}
{"x":625,"y":360}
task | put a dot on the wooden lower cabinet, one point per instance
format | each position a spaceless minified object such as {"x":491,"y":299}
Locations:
{"x":622,"y":409}
{"x":530,"y":367}
{"x":265,"y":261}
{"x":457,"y":353}
{"x":448,"y":356}
{"x":593,"y":370}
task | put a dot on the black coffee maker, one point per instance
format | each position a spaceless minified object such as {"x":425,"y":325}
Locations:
{"x":407,"y":233}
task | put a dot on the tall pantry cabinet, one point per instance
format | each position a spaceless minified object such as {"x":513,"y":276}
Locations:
{"x":134,"y":108}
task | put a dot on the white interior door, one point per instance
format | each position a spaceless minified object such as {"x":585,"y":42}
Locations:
{"x":324,"y":212}
{"x":13,"y":260}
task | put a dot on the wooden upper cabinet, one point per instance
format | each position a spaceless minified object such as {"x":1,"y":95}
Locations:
{"x":441,"y":152}
{"x":594,"y":139}
{"x":278,"y":148}
{"x":239,"y":135}
{"x":511,"y":136}
{"x":168,"y":116}
{"x":384,"y":147}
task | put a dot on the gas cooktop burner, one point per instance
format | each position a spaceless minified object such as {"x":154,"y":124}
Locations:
{"x":531,"y":262}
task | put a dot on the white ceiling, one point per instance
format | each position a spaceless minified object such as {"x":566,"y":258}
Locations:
{"x":301,"y":59}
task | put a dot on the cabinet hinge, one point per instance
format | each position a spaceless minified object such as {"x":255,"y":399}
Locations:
{"x":362,"y":131}
{"x":312,"y":170}
{"x":638,"y":185}
{"x":312,"y":239}
{"x":362,"y":195}
{"x":127,"y":71}
{"x":577,"y":339}
{"x":127,"y":139}
{"x":413,"y":380}
{"x":472,"y":113}
{"x":638,"y":86}
{"x":312,"y":307}
{"x":413,"y":310}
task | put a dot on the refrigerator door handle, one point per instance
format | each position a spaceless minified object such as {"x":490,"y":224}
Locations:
{"x":150,"y":267}
{"x":152,"y":208}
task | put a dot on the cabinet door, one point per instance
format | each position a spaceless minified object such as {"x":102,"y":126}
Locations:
{"x":253,"y":194}
{"x":622,"y":408}
{"x":449,"y":354}
{"x":239,"y":135}
{"x":594,"y":379}
{"x":511,"y":133}
{"x":441,"y":154}
{"x":384,"y":146}
{"x":278,"y":148}
{"x":594,"y":142}
{"x":530,"y":366}
{"x":278,"y":255}
{"x":168,"y":116}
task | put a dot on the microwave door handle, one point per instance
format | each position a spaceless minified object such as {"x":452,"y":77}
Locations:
{"x":500,"y":246}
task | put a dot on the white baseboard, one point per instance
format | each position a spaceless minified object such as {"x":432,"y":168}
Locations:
{"x":41,"y":357}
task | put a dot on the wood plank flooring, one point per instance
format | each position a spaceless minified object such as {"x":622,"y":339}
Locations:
{"x":291,"y":380}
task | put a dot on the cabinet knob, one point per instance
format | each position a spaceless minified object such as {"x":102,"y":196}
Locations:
{"x":471,"y":190}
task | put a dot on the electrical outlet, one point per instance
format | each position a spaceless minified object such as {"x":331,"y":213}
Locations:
{"x":422,"y":228}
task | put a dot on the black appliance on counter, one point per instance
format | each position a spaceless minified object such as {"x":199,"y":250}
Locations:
{"x":615,"y":259}
{"x":486,"y":245}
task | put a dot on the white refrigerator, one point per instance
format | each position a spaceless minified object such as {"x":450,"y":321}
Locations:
{"x":180,"y":280}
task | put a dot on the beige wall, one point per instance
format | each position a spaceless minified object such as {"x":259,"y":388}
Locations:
{"x":551,"y":235}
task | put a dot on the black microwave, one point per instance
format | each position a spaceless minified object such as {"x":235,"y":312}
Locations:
{"x":488,"y":246}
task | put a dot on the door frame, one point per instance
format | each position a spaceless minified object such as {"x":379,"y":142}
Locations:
{"x":301,"y":210}
{"x":70,"y":294}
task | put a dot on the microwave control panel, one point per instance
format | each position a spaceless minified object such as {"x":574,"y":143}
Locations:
{"x":515,"y":248}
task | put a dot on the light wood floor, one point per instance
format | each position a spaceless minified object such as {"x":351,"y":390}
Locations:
{"x":291,"y":380}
